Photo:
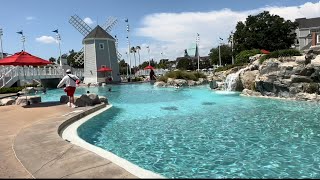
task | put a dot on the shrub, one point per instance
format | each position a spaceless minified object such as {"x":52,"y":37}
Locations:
{"x":243,"y":56}
{"x":312,"y":88}
{"x":280,"y":53}
{"x":227,"y":67}
{"x":10,"y":90}
{"x":135,"y":79}
{"x":163,"y":78}
{"x":182,"y":75}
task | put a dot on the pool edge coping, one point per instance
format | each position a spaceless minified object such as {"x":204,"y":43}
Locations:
{"x":68,"y":131}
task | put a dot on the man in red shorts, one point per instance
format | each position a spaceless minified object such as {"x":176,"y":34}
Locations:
{"x":70,"y":81}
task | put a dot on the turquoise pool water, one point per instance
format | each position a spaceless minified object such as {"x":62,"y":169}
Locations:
{"x":198,"y":133}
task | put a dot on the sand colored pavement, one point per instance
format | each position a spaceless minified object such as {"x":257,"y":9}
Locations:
{"x":14,"y":118}
{"x":30,"y":146}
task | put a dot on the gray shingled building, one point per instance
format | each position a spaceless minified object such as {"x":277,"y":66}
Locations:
{"x":308,"y":33}
{"x":100,"y":51}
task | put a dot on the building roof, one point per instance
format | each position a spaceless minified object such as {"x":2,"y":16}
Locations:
{"x":192,"y":50}
{"x":308,"y":23}
{"x":98,"y":32}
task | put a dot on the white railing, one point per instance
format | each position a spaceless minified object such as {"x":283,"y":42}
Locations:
{"x":10,"y":74}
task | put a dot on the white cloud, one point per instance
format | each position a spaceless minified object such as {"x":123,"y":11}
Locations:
{"x":46,"y":39}
{"x":88,"y":20}
{"x":30,"y":18}
{"x":171,"y":33}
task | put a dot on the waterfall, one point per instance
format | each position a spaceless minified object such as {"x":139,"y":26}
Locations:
{"x":231,"y":80}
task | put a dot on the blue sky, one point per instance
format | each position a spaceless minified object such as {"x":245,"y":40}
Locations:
{"x":167,"y":26}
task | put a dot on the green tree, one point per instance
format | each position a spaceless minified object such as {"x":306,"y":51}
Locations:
{"x":185,"y":64}
{"x":52,"y":59}
{"x":264,"y":31}
{"x":71,"y":61}
{"x":138,"y":48}
{"x":225,"y":53}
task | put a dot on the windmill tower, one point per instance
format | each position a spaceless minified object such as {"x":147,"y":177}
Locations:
{"x":99,"y":50}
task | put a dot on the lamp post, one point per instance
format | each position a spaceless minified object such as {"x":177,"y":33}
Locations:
{"x":219,"y":50}
{"x":116,"y":43}
{"x":128,"y":41}
{"x":127,"y":64}
{"x":23,"y":39}
{"x":197,"y":49}
{"x":232,"y":44}
{"x":1,"y":33}
{"x":148,"y":54}
{"x":59,"y":40}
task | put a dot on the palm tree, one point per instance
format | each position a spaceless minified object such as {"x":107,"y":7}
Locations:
{"x":133,"y":50}
{"x":138,"y":48}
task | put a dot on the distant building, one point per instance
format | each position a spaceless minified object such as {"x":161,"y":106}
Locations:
{"x":308,"y":33}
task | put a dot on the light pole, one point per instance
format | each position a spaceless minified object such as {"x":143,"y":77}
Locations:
{"x":219,"y":50}
{"x":197,"y":49}
{"x":128,"y":41}
{"x":148,"y":54}
{"x":1,"y":33}
{"x":232,"y":46}
{"x":23,"y":39}
{"x":116,"y":43}
{"x":58,"y":39}
{"x":127,"y":64}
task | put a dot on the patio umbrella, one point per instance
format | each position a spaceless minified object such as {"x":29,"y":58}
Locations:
{"x":104,"y":69}
{"x":23,"y":59}
{"x":149,"y":67}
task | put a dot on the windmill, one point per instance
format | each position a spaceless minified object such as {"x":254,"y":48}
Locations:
{"x":99,"y":49}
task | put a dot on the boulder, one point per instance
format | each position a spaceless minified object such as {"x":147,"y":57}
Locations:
{"x":213,"y":84}
{"x":24,"y":100}
{"x":248,"y":92}
{"x":64,"y":99}
{"x":298,"y":79}
{"x":316,"y":61}
{"x":94,"y":98}
{"x":159,"y":84}
{"x":248,"y":79}
{"x":7,"y":101}
{"x":307,"y":97}
{"x":191,"y":83}
{"x":180,"y":82}
{"x":29,"y":90}
{"x":103,"y":99}
{"x":170,"y":81}
{"x":300,"y":59}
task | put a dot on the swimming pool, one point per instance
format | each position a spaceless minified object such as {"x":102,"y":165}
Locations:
{"x":199,"y":133}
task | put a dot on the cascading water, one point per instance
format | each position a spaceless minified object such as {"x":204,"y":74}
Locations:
{"x":231,"y":80}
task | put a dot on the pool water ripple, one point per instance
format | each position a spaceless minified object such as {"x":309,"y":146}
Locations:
{"x":208,"y":134}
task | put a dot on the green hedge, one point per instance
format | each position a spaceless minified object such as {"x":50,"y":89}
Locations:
{"x":10,"y":90}
{"x":227,"y":67}
{"x":280,"y":53}
{"x":243,"y":56}
{"x":182,"y":75}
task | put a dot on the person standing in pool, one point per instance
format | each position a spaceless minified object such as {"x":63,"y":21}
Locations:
{"x":152,"y":76}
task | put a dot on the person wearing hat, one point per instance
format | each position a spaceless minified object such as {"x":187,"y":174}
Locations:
{"x":70,"y":81}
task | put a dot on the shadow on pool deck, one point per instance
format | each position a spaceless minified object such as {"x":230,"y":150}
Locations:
{"x":44,"y":104}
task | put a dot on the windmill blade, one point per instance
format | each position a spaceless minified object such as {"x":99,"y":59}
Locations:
{"x":80,"y":25}
{"x":79,"y":57}
{"x":110,"y":23}
{"x":119,"y":56}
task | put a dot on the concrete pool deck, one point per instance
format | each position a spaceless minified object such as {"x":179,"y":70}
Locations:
{"x":30,"y":146}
